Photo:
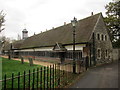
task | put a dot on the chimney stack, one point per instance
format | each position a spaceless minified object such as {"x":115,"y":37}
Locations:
{"x":34,"y":33}
{"x":52,"y":27}
{"x":91,"y":13}
{"x":64,"y":23}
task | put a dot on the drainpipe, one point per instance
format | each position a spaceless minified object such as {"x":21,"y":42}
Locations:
{"x":94,"y":51}
{"x":90,"y":53}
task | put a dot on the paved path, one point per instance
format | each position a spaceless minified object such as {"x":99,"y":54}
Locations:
{"x":105,"y":76}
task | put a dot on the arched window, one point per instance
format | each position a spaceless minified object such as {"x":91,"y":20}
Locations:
{"x":98,"y":53}
{"x":105,"y":37}
{"x":98,"y":36}
{"x":102,"y":37}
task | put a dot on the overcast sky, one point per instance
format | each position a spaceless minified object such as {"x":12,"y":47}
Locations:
{"x":39,"y":15}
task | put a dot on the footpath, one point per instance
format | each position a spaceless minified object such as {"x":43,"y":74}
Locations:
{"x":34,"y":61}
{"x":104,"y":76}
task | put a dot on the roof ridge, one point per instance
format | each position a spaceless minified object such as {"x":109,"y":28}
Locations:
{"x":66,"y":24}
{"x":90,"y":16}
{"x":78,"y":20}
{"x":62,"y":34}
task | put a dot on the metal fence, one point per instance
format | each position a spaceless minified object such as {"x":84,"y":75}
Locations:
{"x":53,"y":76}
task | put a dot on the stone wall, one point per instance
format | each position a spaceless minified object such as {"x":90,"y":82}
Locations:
{"x":116,"y":54}
{"x":104,"y":44}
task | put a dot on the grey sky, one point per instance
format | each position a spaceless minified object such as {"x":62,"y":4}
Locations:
{"x":39,"y":15}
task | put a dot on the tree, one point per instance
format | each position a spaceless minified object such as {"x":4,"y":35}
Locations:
{"x":3,"y":41}
{"x":113,"y":22}
{"x":2,"y":20}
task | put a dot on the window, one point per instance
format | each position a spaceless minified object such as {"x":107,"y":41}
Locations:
{"x":105,"y":37}
{"x":102,"y":37}
{"x":98,"y":36}
{"x":99,"y":53}
{"x":106,"y":53}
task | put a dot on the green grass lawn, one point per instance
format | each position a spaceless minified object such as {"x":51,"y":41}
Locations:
{"x":14,"y":66}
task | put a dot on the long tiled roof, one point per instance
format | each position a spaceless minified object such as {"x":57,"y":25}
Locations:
{"x":15,"y":45}
{"x":63,"y":34}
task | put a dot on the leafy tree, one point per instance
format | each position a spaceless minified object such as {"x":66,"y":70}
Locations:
{"x":2,"y":20}
{"x":113,"y":22}
{"x":3,"y":41}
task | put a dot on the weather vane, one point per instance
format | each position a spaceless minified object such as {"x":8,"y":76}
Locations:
{"x":25,"y":25}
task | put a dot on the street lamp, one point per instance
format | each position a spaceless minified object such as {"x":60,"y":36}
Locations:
{"x":74,"y":23}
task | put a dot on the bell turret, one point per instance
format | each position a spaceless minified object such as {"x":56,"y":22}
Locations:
{"x":24,"y":34}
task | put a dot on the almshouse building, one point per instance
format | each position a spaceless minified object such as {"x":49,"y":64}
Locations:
{"x":92,"y":40}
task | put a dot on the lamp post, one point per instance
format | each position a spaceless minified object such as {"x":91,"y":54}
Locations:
{"x":74,"y":23}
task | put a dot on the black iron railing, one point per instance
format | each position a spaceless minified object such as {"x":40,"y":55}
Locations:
{"x":53,"y":76}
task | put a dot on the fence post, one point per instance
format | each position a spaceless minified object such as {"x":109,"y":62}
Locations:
{"x":31,"y":61}
{"x":53,"y":75}
{"x":18,"y":80}
{"x":33,"y":78}
{"x":37,"y":76}
{"x":41,"y":77}
{"x":59,"y":76}
{"x":12,"y":80}
{"x":9,"y":57}
{"x":63,"y":70}
{"x":5,"y":82}
{"x":24,"y":81}
{"x":66,"y":72}
{"x":29,"y":80}
{"x":50,"y":76}
{"x":44,"y":76}
{"x":47,"y":76}
{"x":22,"y":60}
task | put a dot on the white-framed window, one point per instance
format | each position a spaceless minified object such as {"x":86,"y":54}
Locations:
{"x":106,"y":53}
{"x":98,"y":53}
